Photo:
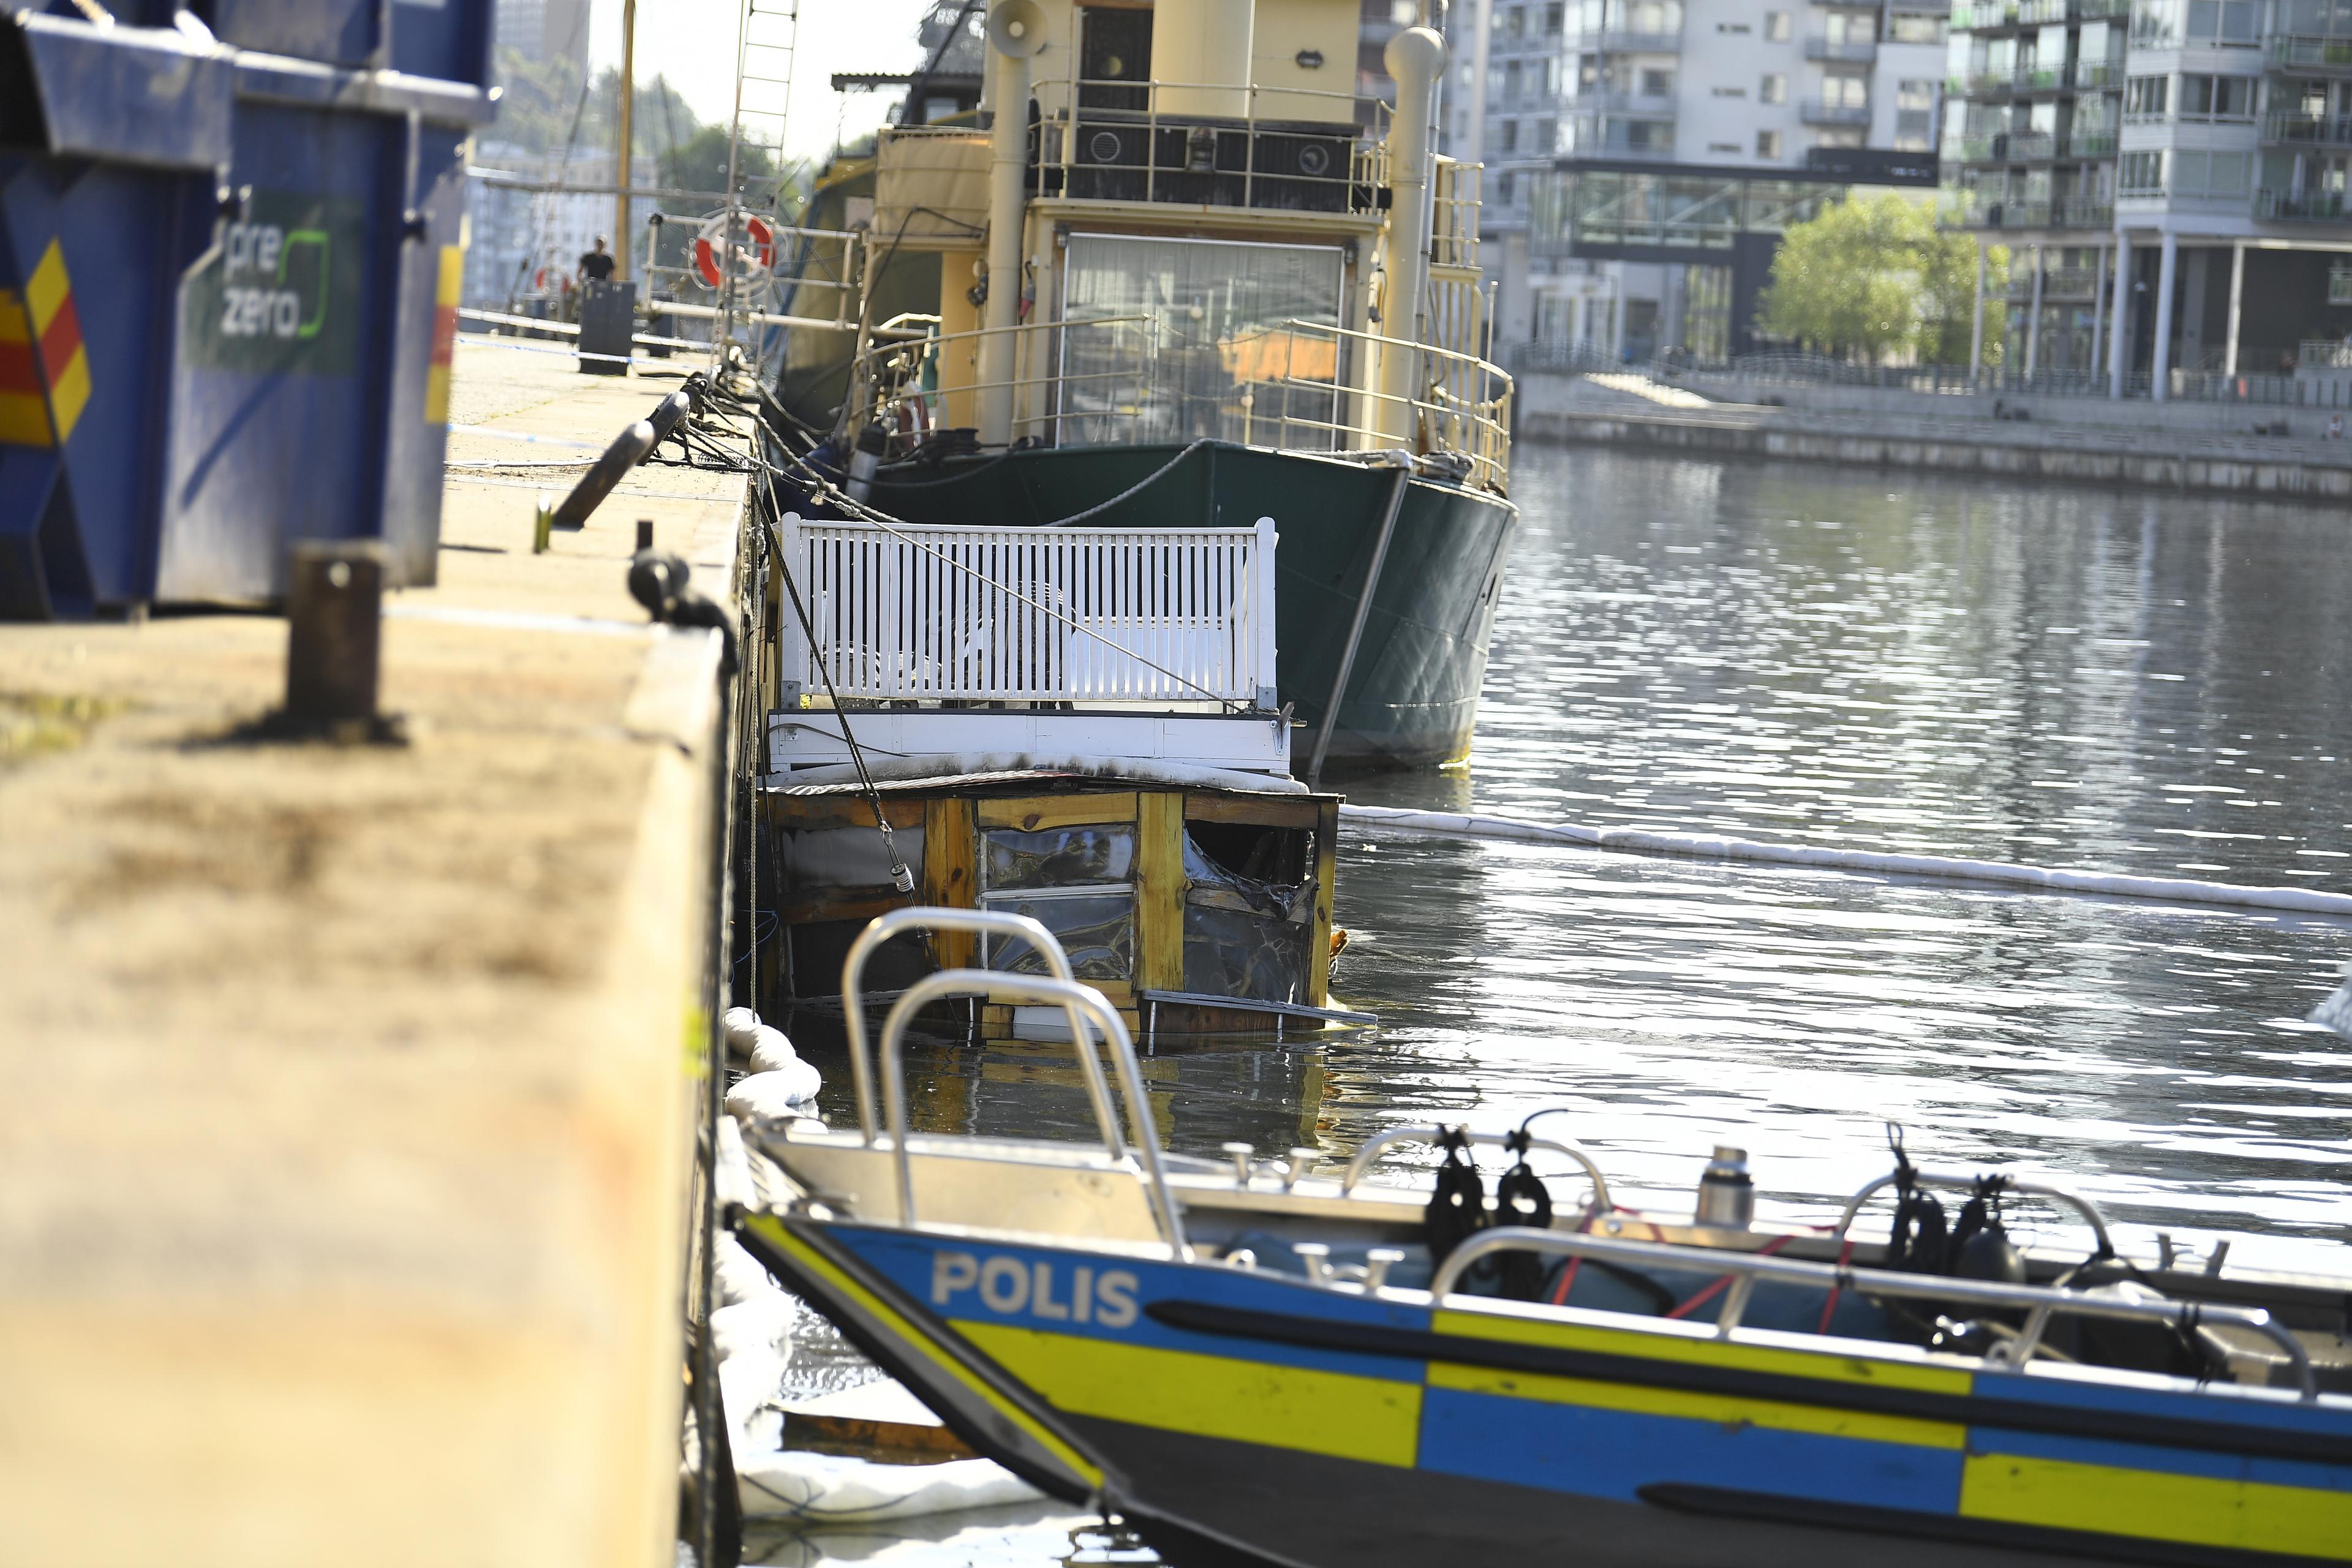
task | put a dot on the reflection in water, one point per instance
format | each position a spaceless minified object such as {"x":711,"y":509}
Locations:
{"x":2146,"y":684}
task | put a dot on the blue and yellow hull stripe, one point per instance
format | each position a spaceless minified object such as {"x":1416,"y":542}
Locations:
{"x":1560,"y":1404}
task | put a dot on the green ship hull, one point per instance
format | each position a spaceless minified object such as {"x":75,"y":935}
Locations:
{"x":1413,"y":692}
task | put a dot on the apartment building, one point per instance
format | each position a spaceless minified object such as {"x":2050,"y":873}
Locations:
{"x":2175,"y":169}
{"x":543,"y":29}
{"x":1644,"y":155}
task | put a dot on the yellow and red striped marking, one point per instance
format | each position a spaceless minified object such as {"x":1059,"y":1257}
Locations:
{"x":44,"y":368}
{"x":445,"y":334}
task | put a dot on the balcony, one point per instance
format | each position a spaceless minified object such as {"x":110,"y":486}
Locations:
{"x":2340,"y":285}
{"x":1518,"y":45}
{"x":1639,"y":43}
{"x":1991,"y":15}
{"x":2058,"y":284}
{"x":2300,"y":206}
{"x":1634,"y":105}
{"x":2043,"y":215}
{"x":2309,"y":130}
{"x":2099,"y":73}
{"x":1841,"y":51}
{"x":1820,"y":112}
{"x":2089,"y":144}
{"x":2294,"y":51}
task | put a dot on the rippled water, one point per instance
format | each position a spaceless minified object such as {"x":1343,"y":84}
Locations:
{"x":2143,"y":683}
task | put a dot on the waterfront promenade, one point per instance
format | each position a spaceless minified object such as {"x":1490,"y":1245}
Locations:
{"x":2212,"y":447}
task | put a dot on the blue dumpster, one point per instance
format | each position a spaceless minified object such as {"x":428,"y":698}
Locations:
{"x":229,"y":291}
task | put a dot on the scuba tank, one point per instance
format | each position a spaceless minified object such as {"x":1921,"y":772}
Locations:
{"x":1726,"y":1197}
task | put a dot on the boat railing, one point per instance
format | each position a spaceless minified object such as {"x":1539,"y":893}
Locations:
{"x":1144,"y":378}
{"x":2040,"y":1303}
{"x":1082,"y":1004}
{"x":1204,"y":143}
{"x":1370,"y":1155}
{"x":905,"y":612}
{"x":1961,"y":1181}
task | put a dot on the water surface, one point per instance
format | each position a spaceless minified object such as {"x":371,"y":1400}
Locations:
{"x":2139,"y":683}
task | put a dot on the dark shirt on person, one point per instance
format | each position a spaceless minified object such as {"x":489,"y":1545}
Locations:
{"x":597,"y":266}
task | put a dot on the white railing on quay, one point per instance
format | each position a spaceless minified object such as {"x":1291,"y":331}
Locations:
{"x":936,"y":614}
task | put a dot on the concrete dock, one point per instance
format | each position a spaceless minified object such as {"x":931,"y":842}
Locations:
{"x":347,"y":1093}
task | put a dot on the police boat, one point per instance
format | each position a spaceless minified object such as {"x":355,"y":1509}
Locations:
{"x":1304,"y":1368}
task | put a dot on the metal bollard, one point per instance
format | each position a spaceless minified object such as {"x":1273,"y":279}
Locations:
{"x":334,"y":612}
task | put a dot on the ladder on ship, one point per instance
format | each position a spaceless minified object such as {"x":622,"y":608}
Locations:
{"x":767,"y":49}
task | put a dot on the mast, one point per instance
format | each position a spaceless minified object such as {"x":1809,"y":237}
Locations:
{"x":628,"y":97}
{"x":1416,"y":58}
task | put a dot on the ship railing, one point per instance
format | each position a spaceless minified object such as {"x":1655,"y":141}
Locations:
{"x":900,"y":612}
{"x":1205,"y":143}
{"x":1143,"y":379}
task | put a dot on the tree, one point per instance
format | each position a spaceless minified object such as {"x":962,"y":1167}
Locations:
{"x":1876,"y":278}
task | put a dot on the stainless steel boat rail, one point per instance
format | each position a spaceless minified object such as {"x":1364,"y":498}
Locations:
{"x":983,"y":922}
{"x":1962,"y":1181}
{"x":1369,"y":1155}
{"x":1080,"y":1002}
{"x":2038,"y":1302}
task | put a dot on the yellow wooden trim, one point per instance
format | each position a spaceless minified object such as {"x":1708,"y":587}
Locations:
{"x":951,"y":874}
{"x":1373,"y":1420}
{"x":14,"y":328}
{"x":1720,"y":1410}
{"x":773,"y":1231}
{"x":810,"y":814}
{"x":1271,"y":811}
{"x":25,"y":420}
{"x":2152,"y":1505}
{"x":1031,"y":814}
{"x":1702,"y":1349}
{"x":1326,"y":878}
{"x":1159,"y":892}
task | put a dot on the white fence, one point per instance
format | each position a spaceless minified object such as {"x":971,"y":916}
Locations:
{"x":978,"y":615}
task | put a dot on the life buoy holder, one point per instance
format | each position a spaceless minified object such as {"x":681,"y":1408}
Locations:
{"x":753,"y":257}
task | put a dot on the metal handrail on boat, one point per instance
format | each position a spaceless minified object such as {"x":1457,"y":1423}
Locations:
{"x":1080,"y":1002}
{"x":1369,"y":1155}
{"x":1962,"y":1181}
{"x":981,"y":922}
{"x":2038,"y":1302}
{"x":1465,"y":405}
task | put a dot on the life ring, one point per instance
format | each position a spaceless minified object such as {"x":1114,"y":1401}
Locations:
{"x":753,"y":258}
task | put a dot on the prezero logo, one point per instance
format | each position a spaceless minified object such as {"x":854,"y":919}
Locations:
{"x":1008,"y":1286}
{"x":258,"y":294}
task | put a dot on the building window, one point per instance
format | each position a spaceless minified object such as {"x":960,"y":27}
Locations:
{"x":2148,"y":96}
{"x":2170,"y":24}
{"x":1838,"y":139}
{"x":2209,"y":173}
{"x":1515,"y":22}
{"x":1403,"y":13}
{"x":1657,"y":84}
{"x":1553,"y":17}
{"x":1547,"y":136}
{"x":2216,"y":98}
{"x":1506,"y":187}
{"x":2140,"y":174}
{"x":1768,"y":145}
{"x":1905,"y":29}
{"x":1773,"y":89}
{"x":1509,"y":139}
{"x":1777,"y":28}
{"x":1730,"y":91}
{"x":1845,"y":91}
{"x":1915,"y":116}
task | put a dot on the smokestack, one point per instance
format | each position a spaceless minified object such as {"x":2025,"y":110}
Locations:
{"x":1016,"y":31}
{"x":1204,"y":48}
{"x":1416,"y":58}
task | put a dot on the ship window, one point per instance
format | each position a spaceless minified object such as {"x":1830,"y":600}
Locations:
{"x":1249,"y":909}
{"x":1078,"y":882}
{"x":1172,"y":340}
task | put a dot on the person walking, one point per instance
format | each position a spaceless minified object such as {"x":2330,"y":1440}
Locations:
{"x":596,"y":266}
